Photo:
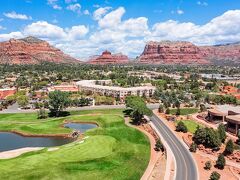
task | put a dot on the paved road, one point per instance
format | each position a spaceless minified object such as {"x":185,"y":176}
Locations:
{"x":14,"y":108}
{"x":186,"y":167}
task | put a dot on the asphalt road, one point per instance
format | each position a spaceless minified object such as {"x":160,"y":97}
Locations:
{"x":186,"y":168}
{"x":14,"y":108}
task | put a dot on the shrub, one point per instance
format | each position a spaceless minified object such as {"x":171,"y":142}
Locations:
{"x":159,"y":145}
{"x":42,"y":114}
{"x":215,"y":176}
{"x":229,"y":147}
{"x":193,"y":147}
{"x":208,"y":165}
{"x":220,"y":163}
{"x":181,"y":127}
{"x":178,"y":112}
{"x":167,"y":111}
{"x":161,"y":108}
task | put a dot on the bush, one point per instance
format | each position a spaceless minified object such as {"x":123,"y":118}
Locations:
{"x":42,"y":114}
{"x":178,"y":112}
{"x":161,"y":108}
{"x":193,"y":147}
{"x":181,"y":127}
{"x":167,"y":111}
{"x":215,"y":176}
{"x":208,"y":165}
{"x":220,"y":163}
{"x":229,"y":147}
{"x":159,"y":145}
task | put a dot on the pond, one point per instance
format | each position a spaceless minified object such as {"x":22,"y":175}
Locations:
{"x":82,"y":127}
{"x":11,"y":141}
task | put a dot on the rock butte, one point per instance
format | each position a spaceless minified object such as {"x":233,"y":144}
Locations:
{"x":108,"y":58}
{"x":31,"y":50}
{"x":175,"y":52}
{"x":181,"y":52}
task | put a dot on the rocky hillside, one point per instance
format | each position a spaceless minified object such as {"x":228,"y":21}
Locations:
{"x":108,"y":58}
{"x":31,"y":50}
{"x":180,"y":52}
{"x":228,"y":54}
{"x":171,"y":52}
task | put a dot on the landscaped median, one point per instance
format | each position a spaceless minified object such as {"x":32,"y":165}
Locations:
{"x":113,"y":150}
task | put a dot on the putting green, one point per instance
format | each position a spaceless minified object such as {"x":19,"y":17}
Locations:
{"x":112,"y":151}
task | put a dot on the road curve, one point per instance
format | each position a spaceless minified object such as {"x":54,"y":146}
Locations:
{"x":186,"y":168}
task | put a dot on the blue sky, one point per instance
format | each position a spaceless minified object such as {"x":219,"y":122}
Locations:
{"x":83,"y":28}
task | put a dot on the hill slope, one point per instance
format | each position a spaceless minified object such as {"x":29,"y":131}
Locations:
{"x":31,"y":50}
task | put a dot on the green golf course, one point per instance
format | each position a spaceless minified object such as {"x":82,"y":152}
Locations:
{"x":110,"y":151}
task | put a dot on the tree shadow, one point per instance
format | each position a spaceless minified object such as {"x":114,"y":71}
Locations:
{"x":60,"y":114}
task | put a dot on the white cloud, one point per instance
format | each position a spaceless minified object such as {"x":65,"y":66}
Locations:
{"x":54,"y":5}
{"x":43,"y":29}
{"x":86,"y":12}
{"x":5,"y":37}
{"x":202,"y":3}
{"x":100,"y":12}
{"x":14,"y":15}
{"x":77,"y":32}
{"x":74,"y":7}
{"x":112,"y":19}
{"x":70,"y":1}
{"x":180,"y":12}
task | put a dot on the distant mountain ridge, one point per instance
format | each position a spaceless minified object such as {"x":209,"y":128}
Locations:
{"x":31,"y":50}
{"x":183,"y":52}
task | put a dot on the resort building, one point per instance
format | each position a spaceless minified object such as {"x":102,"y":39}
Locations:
{"x":115,"y":91}
{"x":7,"y":92}
{"x":230,"y":115}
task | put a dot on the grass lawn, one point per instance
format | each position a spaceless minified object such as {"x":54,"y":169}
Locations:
{"x":112,"y":151}
{"x":191,"y":125}
{"x":184,"y":111}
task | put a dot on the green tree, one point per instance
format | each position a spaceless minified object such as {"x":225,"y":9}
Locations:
{"x":58,"y":101}
{"x":229,"y":147}
{"x":208,"y":165}
{"x":222,"y":132}
{"x":207,"y":136}
{"x":139,"y":108}
{"x":22,"y":101}
{"x":215,"y":176}
{"x":220,"y":163}
{"x":181,"y":127}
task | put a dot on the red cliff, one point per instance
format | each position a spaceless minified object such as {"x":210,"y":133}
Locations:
{"x":108,"y":58}
{"x":222,"y":54}
{"x":167,"y":52}
{"x":31,"y":50}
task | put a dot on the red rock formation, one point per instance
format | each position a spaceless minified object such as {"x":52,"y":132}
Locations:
{"x":31,"y":50}
{"x":167,"y":52}
{"x":222,"y":54}
{"x":108,"y":58}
